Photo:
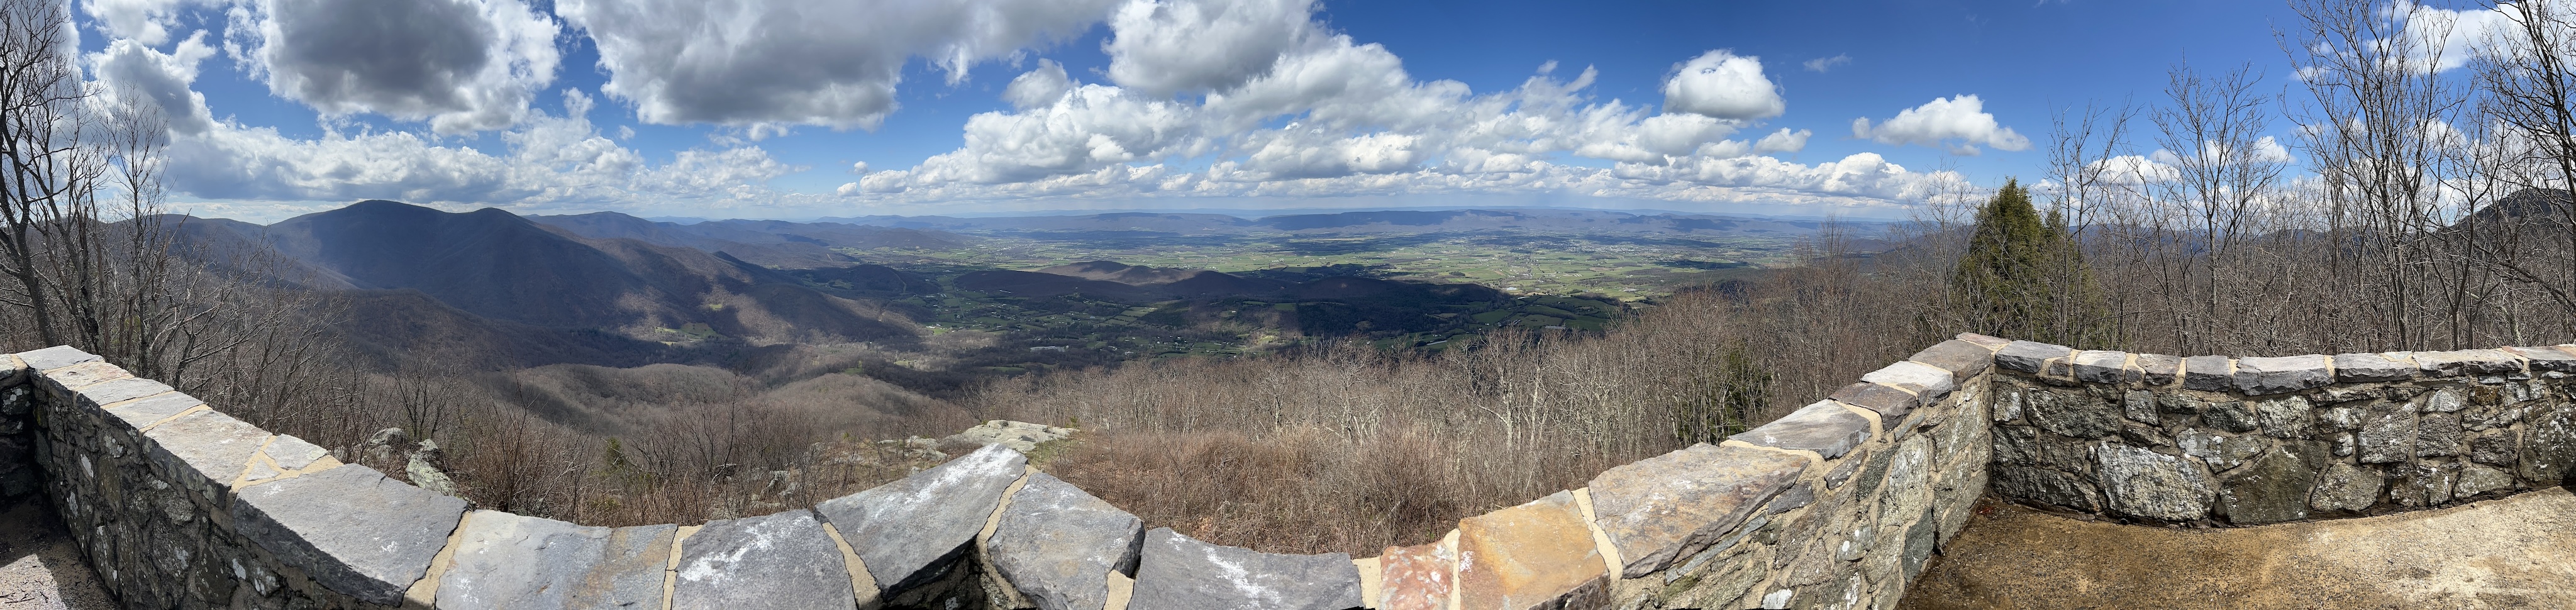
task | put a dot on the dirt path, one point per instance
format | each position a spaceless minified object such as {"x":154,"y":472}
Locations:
{"x":2517,"y":552}
{"x":40,"y":568}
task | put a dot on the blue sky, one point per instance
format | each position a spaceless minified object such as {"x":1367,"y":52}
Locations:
{"x":765,"y":108}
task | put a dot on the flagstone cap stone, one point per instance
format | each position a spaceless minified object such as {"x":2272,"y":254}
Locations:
{"x":782,"y":561}
{"x":1536,"y":555}
{"x":1179,"y":573}
{"x":1961,"y":358}
{"x":2546,"y":358}
{"x":2371,"y":367}
{"x":1930,"y":381}
{"x":1057,"y":544}
{"x":905,"y":531}
{"x":354,"y":530}
{"x":2096,"y":366}
{"x":511,"y":561}
{"x":2208,"y":373}
{"x":1890,"y":403}
{"x":2468,"y":362}
{"x":2028,"y":356}
{"x":2159,"y":369}
{"x":120,"y":390}
{"x":2260,"y":376}
{"x":1419,"y":577}
{"x":213,"y":445}
{"x":55,"y":357}
{"x":1825,"y":427}
{"x":145,"y":412}
{"x":1673,"y":504}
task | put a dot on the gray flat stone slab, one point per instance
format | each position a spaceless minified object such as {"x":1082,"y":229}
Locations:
{"x":1178,"y":573}
{"x":1988,"y":342}
{"x":208,"y":443}
{"x":292,"y":453}
{"x":1057,"y":544}
{"x":81,"y":375}
{"x":1826,"y":427}
{"x":144,"y":412}
{"x":1673,"y":505}
{"x":352,"y":529}
{"x":2372,"y":367}
{"x":1930,"y":381}
{"x":119,"y":390}
{"x":2028,"y":356}
{"x":2097,"y":366}
{"x":782,"y":561}
{"x":2208,"y":373}
{"x":2258,"y":376}
{"x":55,"y":357}
{"x":512,"y":561}
{"x":2468,"y":362}
{"x":1961,"y":358}
{"x":2159,"y":369}
{"x":1890,"y":403}
{"x":909,"y":531}
{"x":2546,"y":358}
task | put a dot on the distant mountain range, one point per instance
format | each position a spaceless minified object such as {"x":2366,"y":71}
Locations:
{"x":1366,"y":222}
{"x":501,"y":284}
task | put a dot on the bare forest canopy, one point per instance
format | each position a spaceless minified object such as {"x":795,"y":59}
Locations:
{"x":611,"y":370}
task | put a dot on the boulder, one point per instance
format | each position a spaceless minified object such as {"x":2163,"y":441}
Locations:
{"x":2045,"y":486}
{"x":1019,"y":436}
{"x":2273,"y":490}
{"x":2073,"y":413}
{"x":2345,"y":487}
{"x":2387,"y":433}
{"x":2145,"y":484}
{"x":2286,"y":417}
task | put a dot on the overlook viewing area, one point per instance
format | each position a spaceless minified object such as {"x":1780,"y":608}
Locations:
{"x":1979,"y":473}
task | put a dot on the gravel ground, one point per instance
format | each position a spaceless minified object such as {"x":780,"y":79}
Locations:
{"x":41,"y":568}
{"x":2517,"y":552}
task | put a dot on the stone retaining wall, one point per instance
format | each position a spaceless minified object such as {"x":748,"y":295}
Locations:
{"x":1837,"y":505}
{"x":2214,"y":440}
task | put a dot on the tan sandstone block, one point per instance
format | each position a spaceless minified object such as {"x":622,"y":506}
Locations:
{"x":1416,"y":577}
{"x":1538,"y":555}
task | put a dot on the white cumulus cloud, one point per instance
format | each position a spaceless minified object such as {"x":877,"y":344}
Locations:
{"x":1170,"y":46}
{"x":1723,"y":85}
{"x":1959,"y":124}
{"x":461,"y":65}
{"x":836,"y":64}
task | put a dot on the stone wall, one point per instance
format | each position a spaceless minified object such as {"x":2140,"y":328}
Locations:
{"x":2214,"y":440}
{"x":1837,"y":505}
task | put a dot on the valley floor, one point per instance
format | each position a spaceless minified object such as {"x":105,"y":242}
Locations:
{"x":2517,"y":552}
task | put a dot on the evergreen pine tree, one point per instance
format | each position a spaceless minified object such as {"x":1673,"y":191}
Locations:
{"x":2023,"y":278}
